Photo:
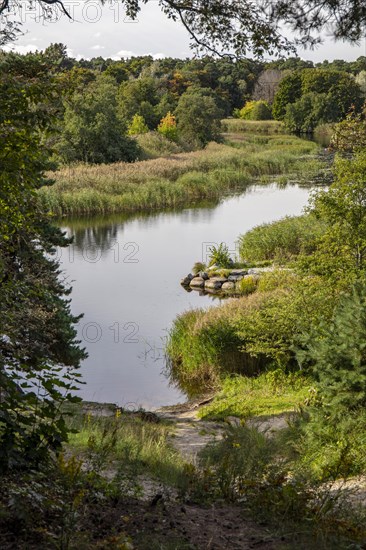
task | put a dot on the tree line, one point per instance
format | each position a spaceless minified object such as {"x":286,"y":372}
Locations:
{"x":105,"y":104}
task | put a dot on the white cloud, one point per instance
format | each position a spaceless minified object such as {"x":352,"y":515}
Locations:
{"x":97,"y":47}
{"x":123,"y":53}
{"x":28,"y":48}
{"x":158,"y":55}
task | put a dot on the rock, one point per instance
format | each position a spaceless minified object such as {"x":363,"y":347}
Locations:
{"x":186,"y":280}
{"x":204,"y":275}
{"x":233,"y":421}
{"x":235,"y":278}
{"x":215,"y":283}
{"x":238,"y":272}
{"x":259,"y":270}
{"x":197,"y":282}
{"x":228,"y":286}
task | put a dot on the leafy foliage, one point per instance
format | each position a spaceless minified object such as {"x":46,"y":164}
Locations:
{"x":92,"y":132}
{"x":314,"y":96}
{"x":255,"y":110}
{"x":338,"y":357}
{"x":168,"y":127}
{"x":350,"y":134}
{"x":198,"y":117}
{"x":236,"y":27}
{"x":137,"y":126}
{"x":341,"y":251}
{"x":39,"y":354}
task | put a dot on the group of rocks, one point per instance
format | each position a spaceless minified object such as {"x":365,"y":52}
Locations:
{"x":211,"y":282}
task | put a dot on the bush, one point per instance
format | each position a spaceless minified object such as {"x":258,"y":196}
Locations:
{"x":248,"y":285}
{"x":199,"y":117}
{"x":261,"y":111}
{"x":219,"y":256}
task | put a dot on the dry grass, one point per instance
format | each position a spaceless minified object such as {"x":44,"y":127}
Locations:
{"x":174,"y":181}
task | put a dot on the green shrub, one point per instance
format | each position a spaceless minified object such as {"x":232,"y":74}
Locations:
{"x":168,"y":127}
{"x":219,"y":255}
{"x":261,"y":111}
{"x":248,"y":285}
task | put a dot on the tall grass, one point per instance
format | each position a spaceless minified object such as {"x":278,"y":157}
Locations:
{"x":175,"y":181}
{"x":139,"y":447}
{"x":281,"y":240}
{"x":205,"y":345}
{"x":253,"y":126}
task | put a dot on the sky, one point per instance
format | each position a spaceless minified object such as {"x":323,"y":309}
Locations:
{"x":105,"y":31}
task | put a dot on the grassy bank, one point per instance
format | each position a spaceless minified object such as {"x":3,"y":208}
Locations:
{"x":271,"y":393}
{"x":179,"y":180}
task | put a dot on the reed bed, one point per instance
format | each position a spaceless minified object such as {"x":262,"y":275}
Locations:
{"x":253,"y":126}
{"x":176,"y":180}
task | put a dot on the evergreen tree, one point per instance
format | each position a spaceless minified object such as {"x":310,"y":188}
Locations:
{"x":39,"y":354}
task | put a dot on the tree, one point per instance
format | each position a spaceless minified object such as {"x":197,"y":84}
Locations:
{"x":255,"y":110}
{"x":168,"y":127}
{"x":199,"y":118}
{"x":340,"y":88}
{"x":140,"y":97}
{"x":92,"y":131}
{"x":267,"y":84}
{"x":361,"y":81}
{"x":289,"y":91}
{"x":39,"y":353}
{"x":137,"y":126}
{"x":350,"y":134}
{"x":341,"y":252}
{"x":303,"y":116}
{"x":338,"y":355}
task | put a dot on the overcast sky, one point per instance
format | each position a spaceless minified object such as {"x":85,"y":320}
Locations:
{"x":105,"y":31}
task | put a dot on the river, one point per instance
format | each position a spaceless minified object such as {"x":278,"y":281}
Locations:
{"x":125,"y":273}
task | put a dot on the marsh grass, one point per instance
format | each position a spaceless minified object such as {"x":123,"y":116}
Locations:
{"x":253,"y":126}
{"x":176,"y":180}
{"x":205,"y":345}
{"x":281,"y":241}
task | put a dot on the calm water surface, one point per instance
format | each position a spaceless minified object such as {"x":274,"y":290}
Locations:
{"x":125,"y":274}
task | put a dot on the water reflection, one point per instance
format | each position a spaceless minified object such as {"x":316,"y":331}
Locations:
{"x":126,"y":272}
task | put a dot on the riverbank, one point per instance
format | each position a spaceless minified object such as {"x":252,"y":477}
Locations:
{"x":295,"y":343}
{"x":182,"y":179}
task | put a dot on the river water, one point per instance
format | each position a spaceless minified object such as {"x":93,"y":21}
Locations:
{"x":125,"y":273}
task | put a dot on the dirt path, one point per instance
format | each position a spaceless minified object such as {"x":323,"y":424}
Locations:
{"x":191,"y":434}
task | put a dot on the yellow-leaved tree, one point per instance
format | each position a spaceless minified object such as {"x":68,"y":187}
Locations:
{"x":168,"y":127}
